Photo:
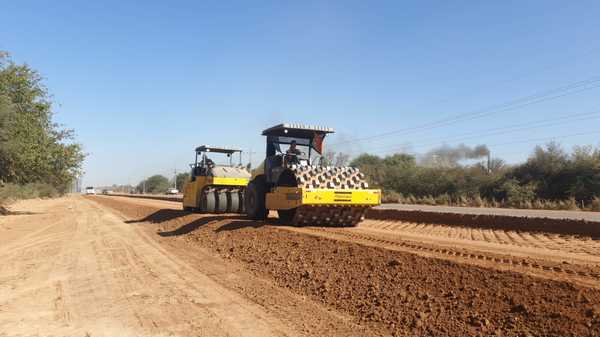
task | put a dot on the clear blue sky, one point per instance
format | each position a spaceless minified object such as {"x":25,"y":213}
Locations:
{"x":143,"y":83}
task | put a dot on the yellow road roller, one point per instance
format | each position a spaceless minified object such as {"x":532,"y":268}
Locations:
{"x":294,"y":182}
{"x":216,"y":188}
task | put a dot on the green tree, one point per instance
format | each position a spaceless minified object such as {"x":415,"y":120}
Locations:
{"x":364,"y":160}
{"x":7,"y":116}
{"x":517,"y":195}
{"x":583,"y":173}
{"x":155,"y":184}
{"x":546,"y":169}
{"x":32,"y":147}
{"x":181,"y":179}
{"x":399,"y":160}
{"x":550,"y":173}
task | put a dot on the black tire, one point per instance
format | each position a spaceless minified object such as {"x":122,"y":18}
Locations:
{"x":254,"y":200}
{"x":242,"y":208}
{"x":286,"y":216}
{"x":233,"y":202}
{"x":208,"y":202}
{"x":221,"y":198}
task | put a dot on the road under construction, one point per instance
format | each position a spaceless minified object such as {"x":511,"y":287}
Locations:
{"x":99,"y":265}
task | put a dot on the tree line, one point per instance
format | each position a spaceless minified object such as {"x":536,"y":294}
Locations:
{"x":38,"y":157}
{"x":551,"y":178}
{"x":158,"y":183}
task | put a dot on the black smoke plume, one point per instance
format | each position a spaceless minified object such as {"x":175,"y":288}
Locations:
{"x":448,"y":156}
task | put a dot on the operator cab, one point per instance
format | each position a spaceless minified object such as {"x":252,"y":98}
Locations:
{"x":308,"y":141}
{"x":204,"y":166}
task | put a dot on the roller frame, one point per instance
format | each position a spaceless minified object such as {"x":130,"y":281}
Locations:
{"x":292,"y":197}
{"x":194,"y":188}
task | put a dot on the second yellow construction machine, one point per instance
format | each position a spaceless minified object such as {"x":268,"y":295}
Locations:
{"x":216,"y":188}
{"x":303,"y":191}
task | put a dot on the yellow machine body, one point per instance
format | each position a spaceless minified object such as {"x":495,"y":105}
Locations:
{"x":301,"y":187}
{"x":193,"y":188}
{"x":293,"y":197}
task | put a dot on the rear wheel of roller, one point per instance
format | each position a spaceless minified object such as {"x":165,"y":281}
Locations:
{"x":208,"y":202}
{"x":254,"y":200}
{"x":242,"y":208}
{"x":233,"y":202}
{"x":221,"y":198}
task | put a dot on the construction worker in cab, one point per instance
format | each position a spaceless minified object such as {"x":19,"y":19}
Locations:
{"x":292,"y":153}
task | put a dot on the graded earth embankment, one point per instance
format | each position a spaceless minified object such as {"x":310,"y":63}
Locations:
{"x":484,"y":221}
{"x":401,"y":292}
{"x":515,"y":223}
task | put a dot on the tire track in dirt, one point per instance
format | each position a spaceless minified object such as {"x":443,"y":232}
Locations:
{"x":572,"y":256}
{"x":572,"y":244}
{"x":101,"y":279}
{"x":550,"y":224}
{"x":584,"y":276}
{"x":179,"y":287}
{"x":406,"y":293}
{"x":308,"y":318}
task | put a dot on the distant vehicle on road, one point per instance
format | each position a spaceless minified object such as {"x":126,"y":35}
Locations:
{"x":106,"y":192}
{"x":172,"y":191}
{"x":90,"y":190}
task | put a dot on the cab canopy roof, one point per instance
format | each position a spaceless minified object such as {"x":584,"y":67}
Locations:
{"x":208,"y":148}
{"x":296,"y":130}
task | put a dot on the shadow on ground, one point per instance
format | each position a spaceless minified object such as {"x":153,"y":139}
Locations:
{"x":240,"y":224}
{"x":4,"y":211}
{"x":161,"y":215}
{"x":234,"y":222}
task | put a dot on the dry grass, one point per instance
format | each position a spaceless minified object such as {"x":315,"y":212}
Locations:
{"x":596,"y":204}
{"x":11,"y":192}
{"x":477,"y":201}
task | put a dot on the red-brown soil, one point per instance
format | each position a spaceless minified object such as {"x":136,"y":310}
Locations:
{"x":484,"y":221}
{"x":400,"y":292}
{"x":555,"y":225}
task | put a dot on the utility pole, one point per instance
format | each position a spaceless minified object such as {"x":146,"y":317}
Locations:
{"x":250,"y":152}
{"x":175,"y":179}
{"x":144,"y":191}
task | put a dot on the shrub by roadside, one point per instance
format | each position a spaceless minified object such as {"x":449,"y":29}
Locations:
{"x":550,"y":179}
{"x":38,"y":157}
{"x":596,"y":204}
{"x":11,"y":192}
{"x":445,"y":200}
{"x":513,"y":201}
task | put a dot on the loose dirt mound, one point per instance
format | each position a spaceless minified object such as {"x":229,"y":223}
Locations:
{"x":516,"y":223}
{"x":482,"y":221}
{"x":401,"y":292}
{"x":164,"y":197}
{"x":513,"y":242}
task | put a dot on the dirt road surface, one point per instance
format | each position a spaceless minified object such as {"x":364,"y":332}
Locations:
{"x":70,"y":268}
{"x":569,"y":257}
{"x":529,"y":213}
{"x":109,"y":266}
{"x":403,"y":289}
